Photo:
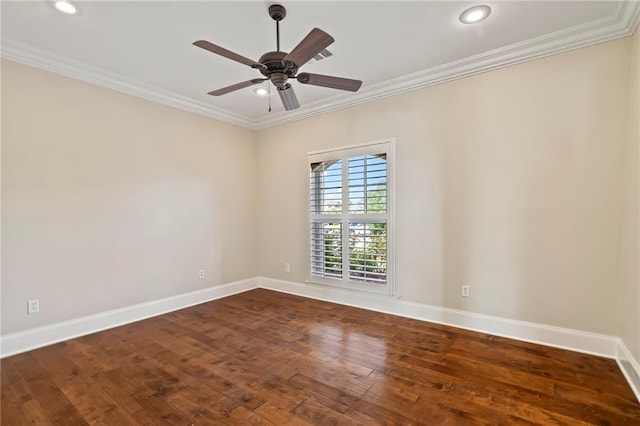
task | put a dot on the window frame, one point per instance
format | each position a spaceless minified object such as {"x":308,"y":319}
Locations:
{"x":343,"y":153}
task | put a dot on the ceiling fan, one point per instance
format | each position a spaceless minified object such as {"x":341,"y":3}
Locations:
{"x":279,"y":66}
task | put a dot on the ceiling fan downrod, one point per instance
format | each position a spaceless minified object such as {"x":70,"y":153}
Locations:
{"x":277,"y":13}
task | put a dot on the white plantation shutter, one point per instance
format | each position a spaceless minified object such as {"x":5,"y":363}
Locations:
{"x":349,"y":206}
{"x":326,"y":248}
{"x":368,"y":251}
{"x":326,"y":187}
{"x":368,"y":184}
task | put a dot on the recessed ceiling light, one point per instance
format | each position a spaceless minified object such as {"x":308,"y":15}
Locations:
{"x":261,"y":91}
{"x":475,"y":14}
{"x":66,"y":7}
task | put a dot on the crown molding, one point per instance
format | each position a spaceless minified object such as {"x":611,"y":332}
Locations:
{"x":29,"y":55}
{"x":622,"y":23}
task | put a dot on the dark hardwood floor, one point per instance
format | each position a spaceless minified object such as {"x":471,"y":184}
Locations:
{"x":263,"y":357}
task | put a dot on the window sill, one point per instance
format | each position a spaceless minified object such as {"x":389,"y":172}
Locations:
{"x":353,"y":286}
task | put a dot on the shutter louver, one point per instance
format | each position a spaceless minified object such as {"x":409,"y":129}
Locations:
{"x":326,"y":248}
{"x":326,"y":187}
{"x":368,"y":184}
{"x":368,"y":251}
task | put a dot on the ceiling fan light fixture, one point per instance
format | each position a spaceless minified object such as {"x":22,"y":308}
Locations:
{"x":288,"y":97}
{"x":261,"y":91}
{"x":66,"y":7}
{"x":475,"y":14}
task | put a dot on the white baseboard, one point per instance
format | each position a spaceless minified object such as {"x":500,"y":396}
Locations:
{"x":27,"y":340}
{"x":564,"y":338}
{"x":630,"y":367}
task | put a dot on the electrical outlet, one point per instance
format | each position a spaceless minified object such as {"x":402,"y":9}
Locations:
{"x":287,"y":267}
{"x":33,"y":306}
{"x":465,"y":291}
{"x":201,"y":274}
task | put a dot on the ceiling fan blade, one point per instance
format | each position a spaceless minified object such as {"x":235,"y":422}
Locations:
{"x":315,"y":42}
{"x":288,"y":97}
{"x":237,"y":86}
{"x":227,"y":53}
{"x":329,"y":81}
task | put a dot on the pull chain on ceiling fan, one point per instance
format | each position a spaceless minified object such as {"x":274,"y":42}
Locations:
{"x":278,"y":67}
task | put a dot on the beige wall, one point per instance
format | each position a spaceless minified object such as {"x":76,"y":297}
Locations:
{"x":512,"y":182}
{"x":109,"y":200}
{"x":509,"y":181}
{"x":630,"y":294}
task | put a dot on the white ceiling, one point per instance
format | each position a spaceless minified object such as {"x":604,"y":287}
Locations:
{"x":144,"y":48}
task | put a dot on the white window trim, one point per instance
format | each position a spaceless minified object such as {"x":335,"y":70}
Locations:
{"x":389,"y":147}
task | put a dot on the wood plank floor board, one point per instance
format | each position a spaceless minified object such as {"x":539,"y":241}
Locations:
{"x":316,"y":413}
{"x":201,"y":404}
{"x":511,"y":406}
{"x":278,"y":416}
{"x":158,"y":411}
{"x":227,"y":390}
{"x":266,"y":358}
{"x":322,"y":390}
{"x":12,"y":410}
{"x":52,"y":400}
{"x":369,"y":413}
{"x":294,"y":391}
{"x":242,"y":416}
{"x":74,"y":383}
{"x":494,"y":389}
{"x":583,"y":370}
{"x":415,"y":397}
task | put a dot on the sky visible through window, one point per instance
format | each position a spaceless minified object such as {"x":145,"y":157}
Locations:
{"x":361,"y":190}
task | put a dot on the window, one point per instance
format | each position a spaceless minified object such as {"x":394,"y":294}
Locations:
{"x":350,"y":205}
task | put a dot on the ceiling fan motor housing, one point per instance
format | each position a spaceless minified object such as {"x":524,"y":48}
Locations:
{"x":273,"y":65}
